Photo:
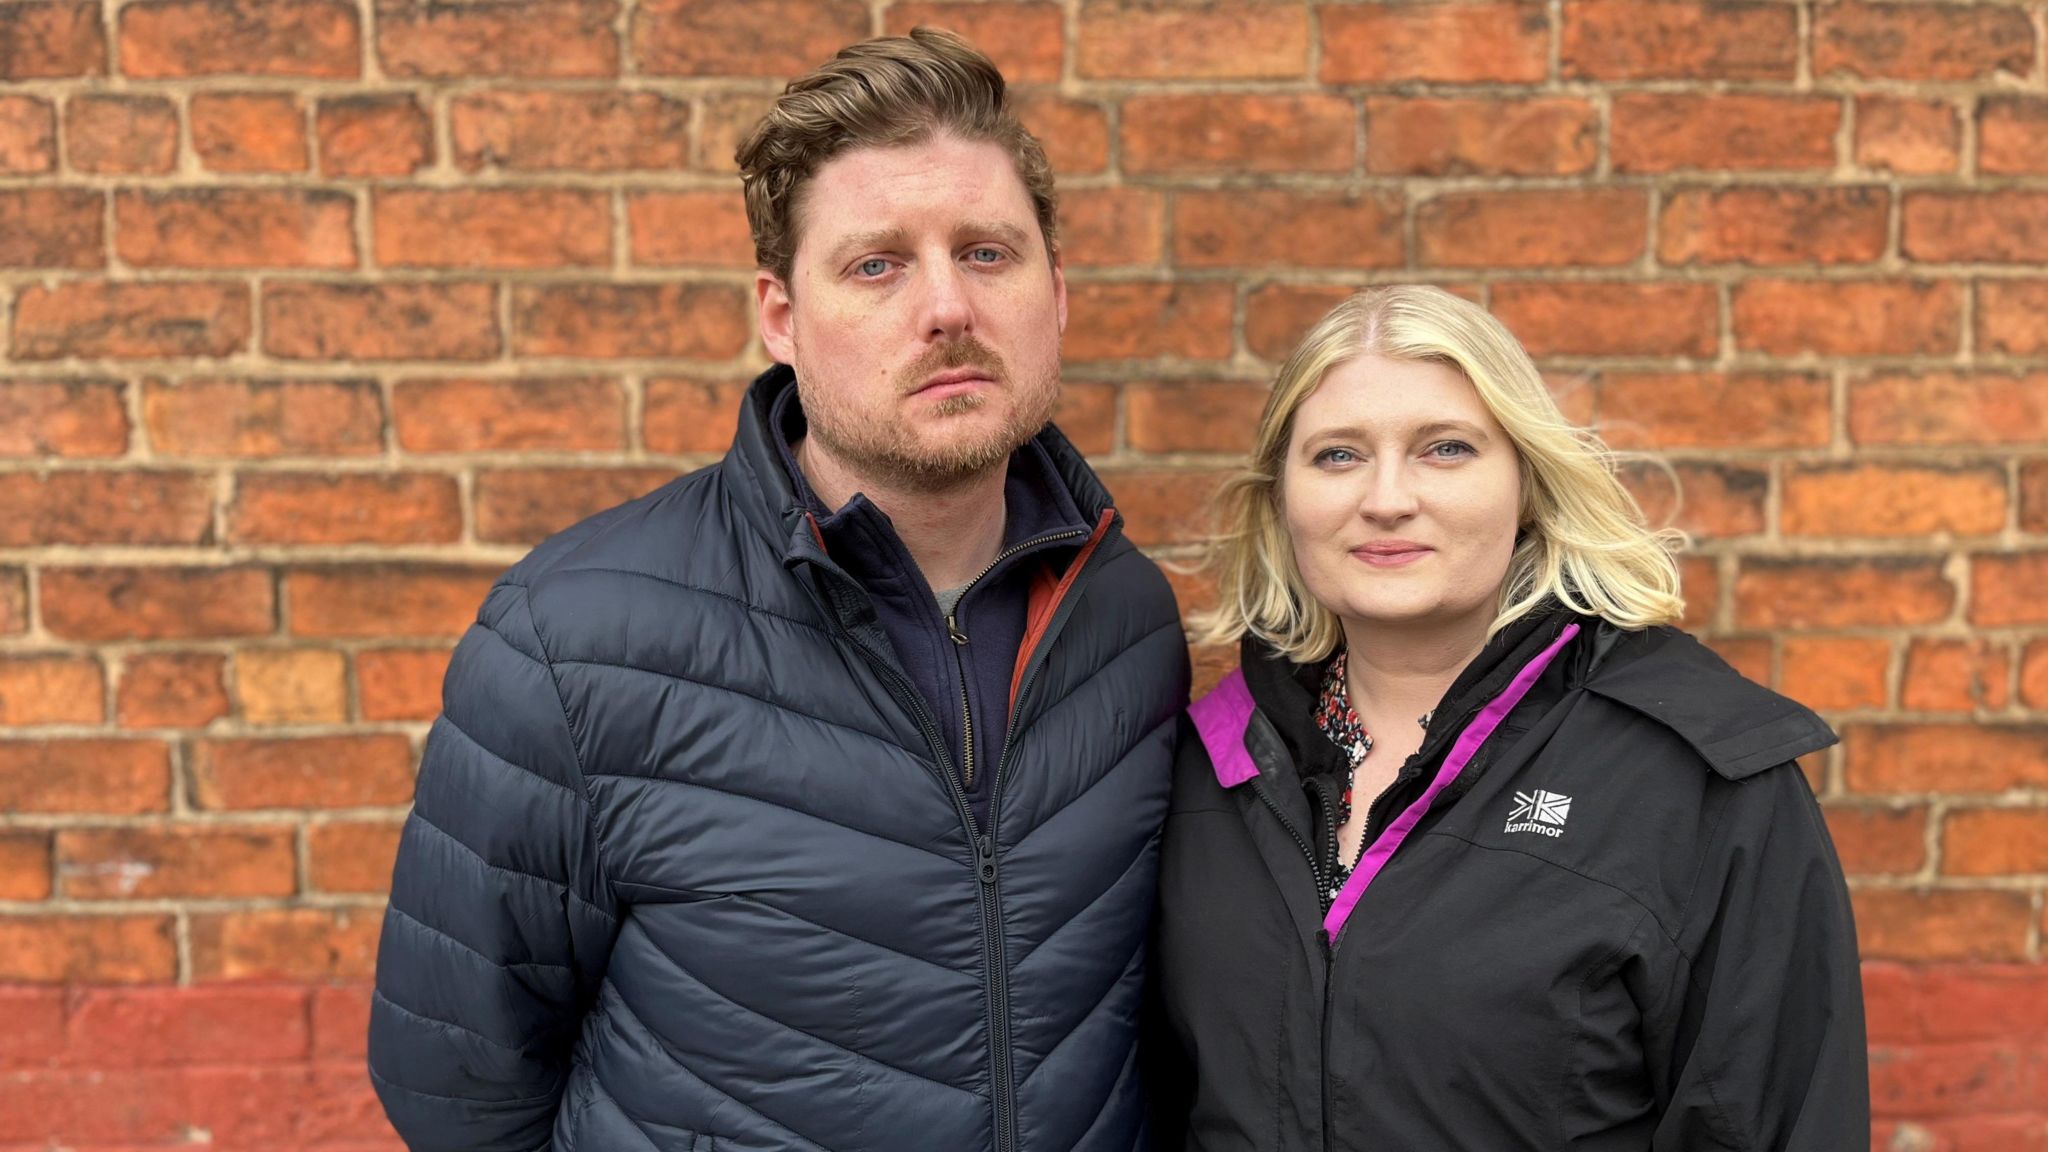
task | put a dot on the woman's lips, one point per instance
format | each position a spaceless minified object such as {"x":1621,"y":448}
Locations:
{"x":1390,"y":555}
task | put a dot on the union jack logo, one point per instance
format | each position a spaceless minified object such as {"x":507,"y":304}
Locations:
{"x":1544,"y":807}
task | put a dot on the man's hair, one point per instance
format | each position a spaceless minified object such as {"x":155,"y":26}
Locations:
{"x":1585,"y":543}
{"x":876,"y":94}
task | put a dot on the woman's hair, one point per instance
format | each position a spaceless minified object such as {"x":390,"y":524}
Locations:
{"x":876,"y":94}
{"x":1585,"y":542}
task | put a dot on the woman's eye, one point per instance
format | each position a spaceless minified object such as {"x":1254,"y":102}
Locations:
{"x":872,"y":268}
{"x":1338,"y":456}
{"x":1451,"y":449}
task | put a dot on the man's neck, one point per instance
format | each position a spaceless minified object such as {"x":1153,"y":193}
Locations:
{"x":953,"y":532}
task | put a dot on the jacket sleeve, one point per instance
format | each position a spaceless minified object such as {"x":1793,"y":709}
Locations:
{"x":499,"y":926}
{"x":1769,"y":1048}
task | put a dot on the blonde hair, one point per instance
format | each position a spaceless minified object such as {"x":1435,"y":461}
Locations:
{"x":1587,"y":543}
{"x":880,"y":93}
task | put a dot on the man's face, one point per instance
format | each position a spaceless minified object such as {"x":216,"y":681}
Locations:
{"x":923,"y":314}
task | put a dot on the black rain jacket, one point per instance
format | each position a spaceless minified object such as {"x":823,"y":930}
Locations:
{"x":1597,"y":910}
{"x":689,"y":868}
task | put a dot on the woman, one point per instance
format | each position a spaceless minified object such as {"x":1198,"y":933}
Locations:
{"x":1476,"y":850}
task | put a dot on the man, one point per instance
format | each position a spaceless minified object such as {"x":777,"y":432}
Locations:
{"x":811,"y":800}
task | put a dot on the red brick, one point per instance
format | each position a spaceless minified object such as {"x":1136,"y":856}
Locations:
{"x":171,"y":690}
{"x":1610,"y":318}
{"x":1903,"y":924}
{"x":690,"y":415}
{"x":604,"y":321}
{"x":1235,"y":133}
{"x":52,"y":227}
{"x":1125,"y":321}
{"x":400,"y":683}
{"x":1630,"y":40}
{"x":1277,"y":316}
{"x":1835,"y":673}
{"x":308,"y":772}
{"x":1026,"y":41}
{"x":1964,"y":1080}
{"x":121,"y":134}
{"x":386,"y":600}
{"x":1714,"y":410}
{"x":725,"y":120}
{"x":1750,"y":656}
{"x":87,"y":950}
{"x":492,"y":228}
{"x":1878,"y":592}
{"x":1667,"y":132}
{"x":236,"y":228}
{"x":249,"y":131}
{"x":2012,"y":136}
{"x":572,"y":131}
{"x":127,"y":320}
{"x":51,"y":40}
{"x":669,"y":229}
{"x":62,"y":419}
{"x":352,"y":856}
{"x":1848,"y":317}
{"x":157,"y":603}
{"x":1112,"y":227}
{"x":173,"y":862}
{"x":24,"y":875}
{"x":1951,"y":758}
{"x":1257,"y":227}
{"x":343,"y":1111}
{"x":106,"y":508}
{"x":420,"y":39}
{"x":341,"y":1021}
{"x":2005,"y":589}
{"x":1942,"y":1003}
{"x":1913,"y":137}
{"x":153,"y":1027}
{"x":1436,"y":136}
{"x":760,"y":38}
{"x":397,"y":321}
{"x":1946,"y":408}
{"x":1163,"y":506}
{"x":348,"y":508}
{"x":1086,"y":414}
{"x":50,"y":689}
{"x":1435,"y":43}
{"x":1223,"y":42}
{"x":1532,"y":228}
{"x":263,"y":418}
{"x":1710,"y":501}
{"x":1700,"y":580}
{"x":285,"y":686}
{"x":1998,"y":227}
{"x":1921,"y":41}
{"x":1879,"y":841}
{"x":178,"y":38}
{"x":296,"y":944}
{"x":1767,"y":226}
{"x":13,"y":602}
{"x":476,"y":415}
{"x":1995,"y":841}
{"x":1955,"y":676}
{"x":1893,"y":500}
{"x":523,"y":507}
{"x":1193,"y":416}
{"x":28,"y":136}
{"x":1074,"y":133}
{"x":2012,"y":317}
{"x":2034,"y":675}
{"x":116,"y":777}
{"x":374,"y":135}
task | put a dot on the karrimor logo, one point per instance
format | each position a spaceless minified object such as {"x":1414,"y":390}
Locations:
{"x":1539,"y":811}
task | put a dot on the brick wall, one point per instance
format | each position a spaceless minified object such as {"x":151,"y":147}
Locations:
{"x":314,"y":314}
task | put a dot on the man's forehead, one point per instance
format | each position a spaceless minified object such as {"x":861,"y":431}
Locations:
{"x":942,"y":184}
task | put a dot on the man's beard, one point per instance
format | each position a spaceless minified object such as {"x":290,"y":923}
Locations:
{"x":884,"y":449}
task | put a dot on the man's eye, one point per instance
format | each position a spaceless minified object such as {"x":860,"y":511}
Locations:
{"x":872,"y":268}
{"x":985,"y":255}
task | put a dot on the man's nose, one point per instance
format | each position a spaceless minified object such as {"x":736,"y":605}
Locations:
{"x":948,"y":310}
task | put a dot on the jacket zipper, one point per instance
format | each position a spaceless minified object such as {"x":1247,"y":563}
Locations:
{"x":959,"y":639}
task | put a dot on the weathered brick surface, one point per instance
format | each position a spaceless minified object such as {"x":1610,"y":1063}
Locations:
{"x":314,"y":314}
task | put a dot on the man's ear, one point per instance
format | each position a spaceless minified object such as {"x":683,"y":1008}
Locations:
{"x":1059,"y":290}
{"x":772,"y":308}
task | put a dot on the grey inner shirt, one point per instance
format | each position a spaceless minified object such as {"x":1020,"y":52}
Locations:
{"x":949,"y":599}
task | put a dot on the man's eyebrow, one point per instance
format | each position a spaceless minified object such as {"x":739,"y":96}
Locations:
{"x":878,"y":238}
{"x":1001,"y":230}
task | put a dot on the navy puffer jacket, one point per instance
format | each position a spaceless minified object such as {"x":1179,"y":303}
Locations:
{"x":689,"y":870}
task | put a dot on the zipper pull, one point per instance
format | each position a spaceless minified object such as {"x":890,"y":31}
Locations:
{"x":953,"y":630}
{"x":984,"y":847}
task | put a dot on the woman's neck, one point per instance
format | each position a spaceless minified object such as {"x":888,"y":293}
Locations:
{"x":1395,"y":672}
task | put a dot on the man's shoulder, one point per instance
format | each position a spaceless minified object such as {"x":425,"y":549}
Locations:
{"x":657,"y":534}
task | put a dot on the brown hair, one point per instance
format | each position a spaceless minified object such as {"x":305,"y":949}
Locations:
{"x":886,"y":91}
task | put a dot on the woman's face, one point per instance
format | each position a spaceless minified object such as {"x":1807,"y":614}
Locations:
{"x":1401,"y":494}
